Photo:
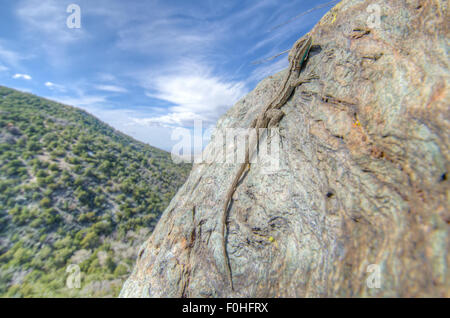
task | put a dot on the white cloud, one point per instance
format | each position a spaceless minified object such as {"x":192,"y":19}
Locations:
{"x":22,"y":76}
{"x":3,"y":68}
{"x":122,"y":119}
{"x":77,"y":96}
{"x":194,"y":91}
{"x":54,"y":86}
{"x":111,"y":88}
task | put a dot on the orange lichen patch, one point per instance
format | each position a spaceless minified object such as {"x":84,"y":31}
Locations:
{"x":438,"y":94}
{"x":329,"y":18}
{"x":184,"y":243}
{"x":356,"y":124}
{"x":334,"y":18}
{"x":357,"y":138}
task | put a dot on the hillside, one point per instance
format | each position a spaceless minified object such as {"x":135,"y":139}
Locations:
{"x":73,"y":191}
{"x":357,"y":203}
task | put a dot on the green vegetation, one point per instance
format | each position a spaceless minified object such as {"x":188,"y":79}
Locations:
{"x":73,"y":191}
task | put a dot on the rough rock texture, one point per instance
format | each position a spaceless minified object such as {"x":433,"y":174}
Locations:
{"x":363,"y":175}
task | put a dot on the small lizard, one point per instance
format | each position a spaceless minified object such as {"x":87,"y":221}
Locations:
{"x":269,"y":117}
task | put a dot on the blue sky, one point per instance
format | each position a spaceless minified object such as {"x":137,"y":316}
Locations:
{"x":146,"y":67}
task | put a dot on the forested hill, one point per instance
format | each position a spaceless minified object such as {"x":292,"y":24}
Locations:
{"x":73,"y":191}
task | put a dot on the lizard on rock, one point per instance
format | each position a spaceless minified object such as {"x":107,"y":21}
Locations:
{"x":269,"y":117}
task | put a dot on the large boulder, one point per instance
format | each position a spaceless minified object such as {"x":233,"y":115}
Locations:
{"x":359,"y":206}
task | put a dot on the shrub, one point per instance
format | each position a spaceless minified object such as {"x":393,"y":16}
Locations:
{"x":90,"y":240}
{"x":45,"y":202}
{"x":87,"y":217}
{"x":54,"y":167}
{"x":120,"y":270}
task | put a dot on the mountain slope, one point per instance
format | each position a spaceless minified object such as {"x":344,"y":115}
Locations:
{"x":73,"y":191}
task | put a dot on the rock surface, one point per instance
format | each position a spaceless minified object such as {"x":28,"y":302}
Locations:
{"x":363,"y":176}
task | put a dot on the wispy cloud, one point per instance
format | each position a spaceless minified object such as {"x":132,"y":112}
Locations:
{"x":85,"y":102}
{"x":158,"y":28}
{"x":3,"y":68}
{"x":111,"y":88}
{"x":50,"y":84}
{"x":54,"y":86}
{"x":22,"y":76}
{"x":145,"y":38}
{"x":10,"y":57}
{"x":268,"y":69}
{"x":194,"y":92}
{"x":44,"y":24}
{"x":76,"y":95}
{"x":48,"y":18}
